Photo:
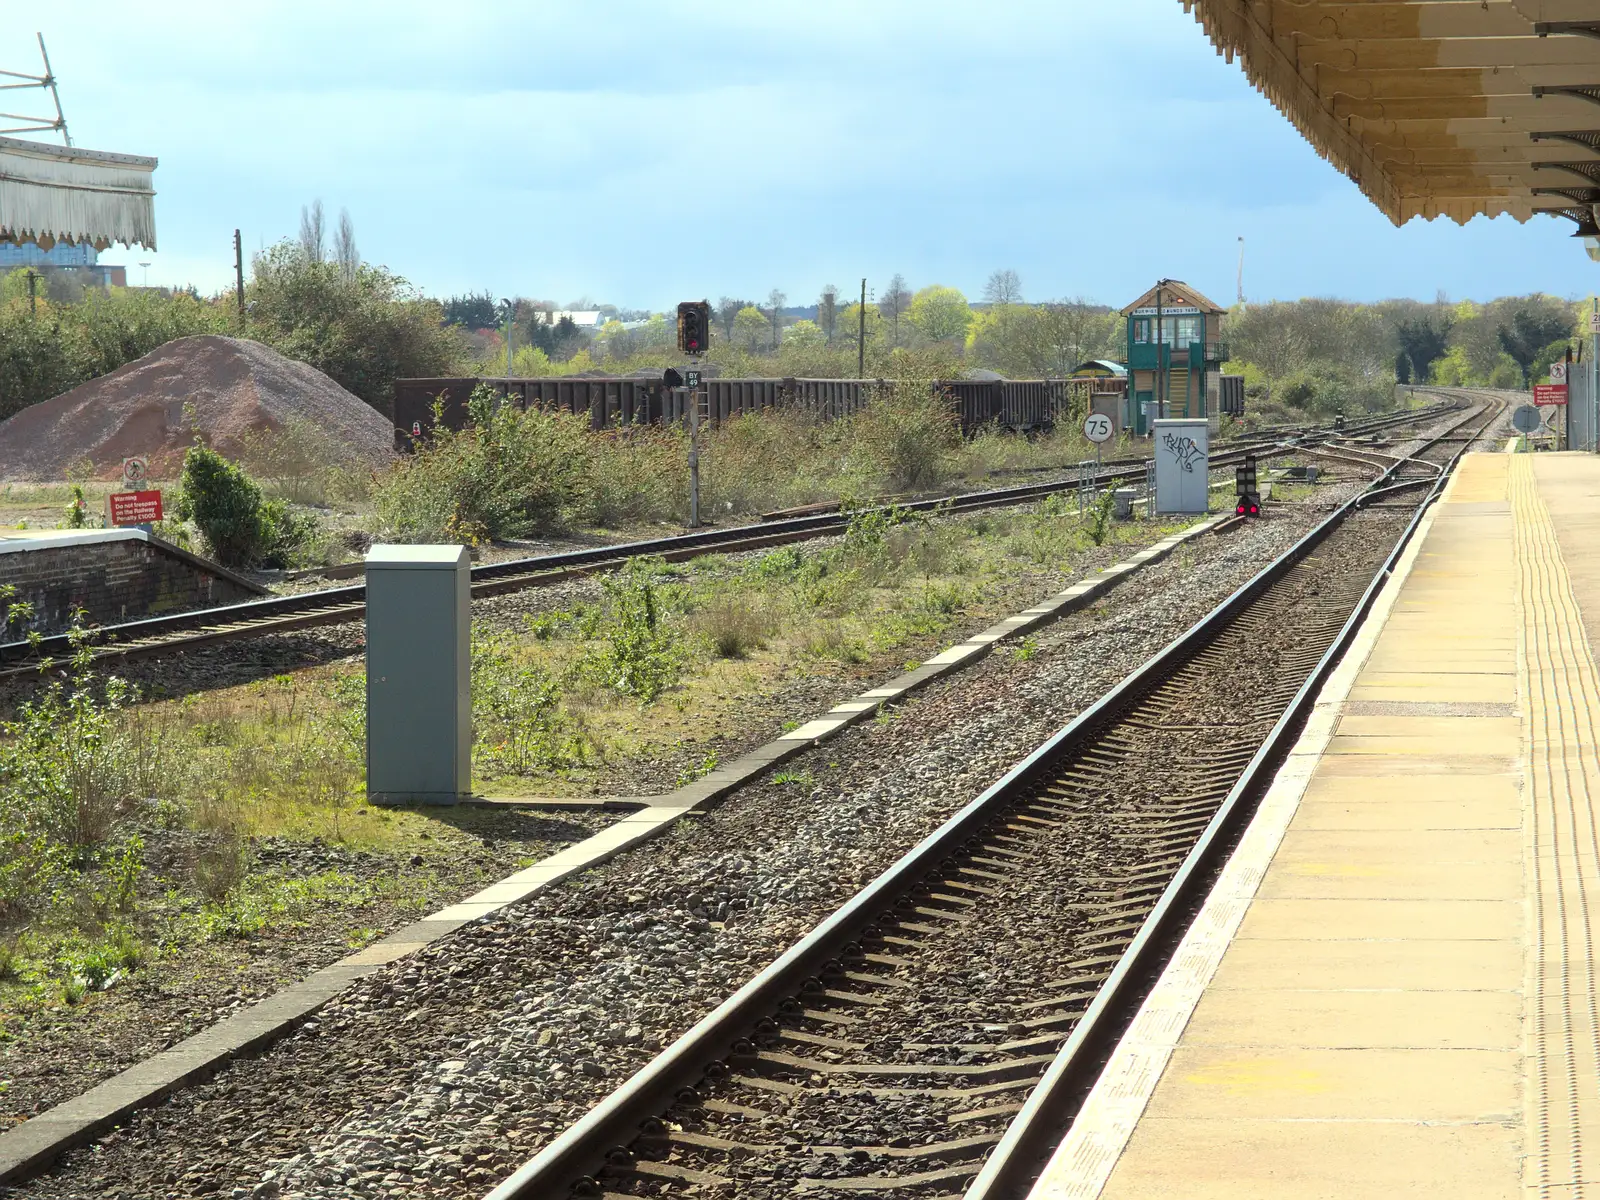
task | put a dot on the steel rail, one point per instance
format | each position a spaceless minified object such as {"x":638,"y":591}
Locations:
{"x":329,"y":606}
{"x":1042,"y":1121}
{"x":568,"y":1164}
{"x":332,"y":606}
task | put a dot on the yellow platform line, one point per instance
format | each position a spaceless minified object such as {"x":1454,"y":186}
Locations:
{"x":1561,"y":698}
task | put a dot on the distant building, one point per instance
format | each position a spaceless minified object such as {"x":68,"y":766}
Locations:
{"x":63,"y":256}
{"x":583,"y":320}
{"x":1175,"y":351}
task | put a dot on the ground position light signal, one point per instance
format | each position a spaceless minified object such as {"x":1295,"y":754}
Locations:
{"x":1246,"y":488}
{"x":694,"y":324}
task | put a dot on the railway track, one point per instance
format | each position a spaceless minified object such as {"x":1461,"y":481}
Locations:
{"x":156,"y":636}
{"x":931,"y":1038}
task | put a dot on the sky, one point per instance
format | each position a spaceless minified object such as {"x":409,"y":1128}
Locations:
{"x":642,"y":152}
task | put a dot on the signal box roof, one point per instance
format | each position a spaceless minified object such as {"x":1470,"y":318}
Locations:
{"x":1174,"y":294}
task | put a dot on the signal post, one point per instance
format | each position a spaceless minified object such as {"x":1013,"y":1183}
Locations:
{"x":694,"y":334}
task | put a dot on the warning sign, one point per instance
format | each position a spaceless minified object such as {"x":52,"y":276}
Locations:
{"x":1549,"y":393}
{"x":134,"y":508}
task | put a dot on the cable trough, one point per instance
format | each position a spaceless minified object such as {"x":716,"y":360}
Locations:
{"x":333,"y":606}
{"x":932,"y":1037}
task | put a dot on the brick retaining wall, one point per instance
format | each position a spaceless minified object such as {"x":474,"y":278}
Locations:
{"x":113,"y":579}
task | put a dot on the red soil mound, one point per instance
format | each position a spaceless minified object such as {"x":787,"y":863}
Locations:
{"x":233,"y":387}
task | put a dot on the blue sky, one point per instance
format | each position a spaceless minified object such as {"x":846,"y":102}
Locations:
{"x":645,"y":152}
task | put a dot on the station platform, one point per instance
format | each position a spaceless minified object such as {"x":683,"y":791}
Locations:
{"x":1392,"y":989}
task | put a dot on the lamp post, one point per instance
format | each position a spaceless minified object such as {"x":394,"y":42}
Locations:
{"x":144,"y":281}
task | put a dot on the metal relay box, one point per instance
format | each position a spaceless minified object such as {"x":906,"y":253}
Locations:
{"x":419,"y":684}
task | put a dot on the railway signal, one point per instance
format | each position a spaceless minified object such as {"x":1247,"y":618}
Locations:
{"x":694,"y":326}
{"x":1246,"y":488}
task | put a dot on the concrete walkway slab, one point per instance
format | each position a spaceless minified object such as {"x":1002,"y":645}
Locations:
{"x":1406,"y":997}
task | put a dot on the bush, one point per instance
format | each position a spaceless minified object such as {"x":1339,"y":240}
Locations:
{"x":518,"y":724}
{"x":508,"y":474}
{"x":907,"y":437}
{"x":365,"y":328}
{"x":240,"y":526}
{"x":734,"y":626}
{"x":51,"y":346}
{"x":636,"y":654}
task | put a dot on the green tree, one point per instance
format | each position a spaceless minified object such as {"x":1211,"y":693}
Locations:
{"x":849,"y":336}
{"x":1531,"y":325}
{"x":940,"y":314}
{"x":364,"y":329}
{"x":805,"y":334}
{"x":750,"y":327}
{"x":1423,"y":341}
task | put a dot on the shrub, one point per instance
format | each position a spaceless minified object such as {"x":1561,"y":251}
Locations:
{"x":907,"y":437}
{"x":53,"y":345}
{"x":734,"y":626}
{"x":636,"y":654}
{"x":518,"y":724}
{"x":364,"y":328}
{"x":240,"y":526}
{"x":638,"y":474}
{"x":295,"y":458}
{"x":508,"y":474}
{"x":1100,"y":517}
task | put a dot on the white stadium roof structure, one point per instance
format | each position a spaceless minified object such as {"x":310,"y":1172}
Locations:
{"x":1435,"y":108}
{"x":51,"y":194}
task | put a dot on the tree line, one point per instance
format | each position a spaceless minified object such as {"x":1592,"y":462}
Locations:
{"x":833,"y":336}
{"x":313,"y":298}
{"x":1328,"y":356}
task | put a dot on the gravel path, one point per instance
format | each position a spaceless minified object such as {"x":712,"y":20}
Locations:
{"x":442,"y":1073}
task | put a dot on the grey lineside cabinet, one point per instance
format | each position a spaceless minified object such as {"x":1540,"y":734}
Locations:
{"x":419,"y":690}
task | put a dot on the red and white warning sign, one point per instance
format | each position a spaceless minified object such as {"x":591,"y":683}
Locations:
{"x":134,"y":508}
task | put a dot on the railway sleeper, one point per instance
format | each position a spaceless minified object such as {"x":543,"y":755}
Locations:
{"x":886,"y":1183}
{"x":1029,"y":1067}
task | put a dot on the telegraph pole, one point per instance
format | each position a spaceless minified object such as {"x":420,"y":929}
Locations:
{"x":1160,"y":352}
{"x":861,"y":343}
{"x":238,"y":274}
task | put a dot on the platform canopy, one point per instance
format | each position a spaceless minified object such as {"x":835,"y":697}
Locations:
{"x":51,"y":194}
{"x":1438,"y":108}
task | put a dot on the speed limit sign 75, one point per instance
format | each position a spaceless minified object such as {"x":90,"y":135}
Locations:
{"x":1097,"y":428}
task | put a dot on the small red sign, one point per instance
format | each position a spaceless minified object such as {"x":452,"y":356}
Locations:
{"x":135,"y":508}
{"x":1549,"y":393}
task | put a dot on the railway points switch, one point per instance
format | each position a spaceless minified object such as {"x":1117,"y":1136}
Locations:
{"x":419,"y":687}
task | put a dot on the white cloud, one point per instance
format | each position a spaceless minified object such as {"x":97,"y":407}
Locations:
{"x":648,"y":149}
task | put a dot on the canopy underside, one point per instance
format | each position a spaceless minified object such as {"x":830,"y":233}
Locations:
{"x":51,"y":194}
{"x":1434,"y":108}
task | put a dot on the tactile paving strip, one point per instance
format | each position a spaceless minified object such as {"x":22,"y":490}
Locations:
{"x":1561,"y":699}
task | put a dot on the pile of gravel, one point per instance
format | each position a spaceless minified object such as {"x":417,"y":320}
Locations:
{"x":230,"y":386}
